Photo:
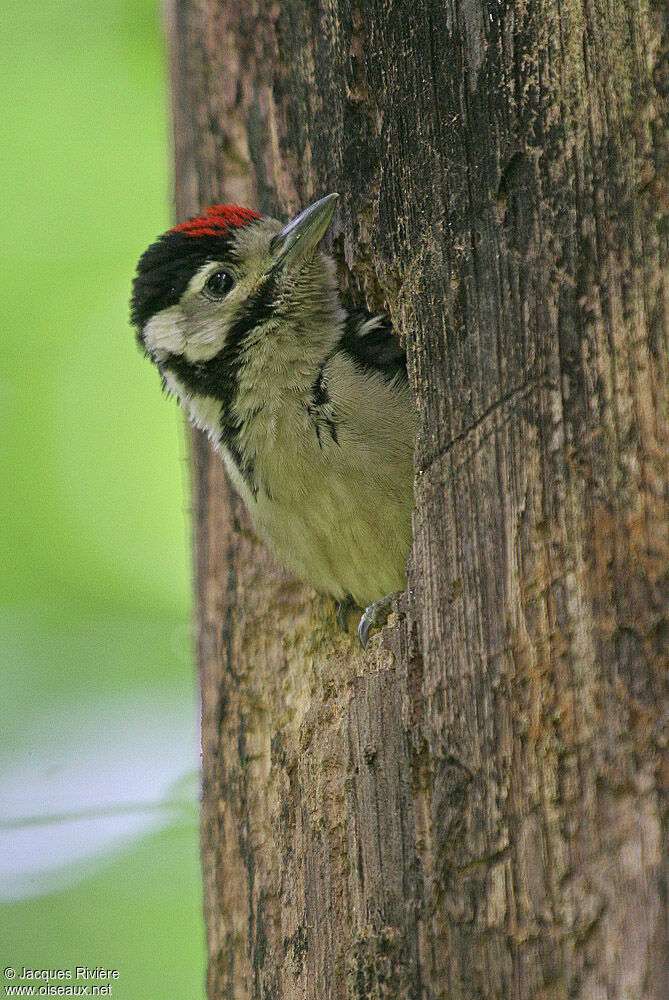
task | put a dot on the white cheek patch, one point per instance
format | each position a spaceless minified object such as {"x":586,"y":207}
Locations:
{"x":165,"y":331}
{"x":203,"y":345}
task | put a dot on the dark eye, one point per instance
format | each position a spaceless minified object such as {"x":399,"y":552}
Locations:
{"x":218,"y":284}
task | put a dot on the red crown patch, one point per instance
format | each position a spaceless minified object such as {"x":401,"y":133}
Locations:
{"x":216,"y":220}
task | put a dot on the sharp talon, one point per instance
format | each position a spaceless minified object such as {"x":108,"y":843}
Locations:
{"x":364,"y":628}
{"x":375,"y":616}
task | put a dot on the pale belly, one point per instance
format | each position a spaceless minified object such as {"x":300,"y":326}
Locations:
{"x":336,"y":509}
{"x":345,"y":532}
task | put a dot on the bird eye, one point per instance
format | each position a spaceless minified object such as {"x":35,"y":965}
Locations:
{"x":218,"y":284}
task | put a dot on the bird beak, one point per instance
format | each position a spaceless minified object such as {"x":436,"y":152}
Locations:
{"x":304,"y":232}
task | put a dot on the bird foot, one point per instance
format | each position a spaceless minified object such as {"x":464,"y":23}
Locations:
{"x":375,"y":617}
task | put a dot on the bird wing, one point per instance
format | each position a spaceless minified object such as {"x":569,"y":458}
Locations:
{"x":373,"y":344}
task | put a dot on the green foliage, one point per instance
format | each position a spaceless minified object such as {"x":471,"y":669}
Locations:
{"x":95,"y":581}
{"x":92,"y":493}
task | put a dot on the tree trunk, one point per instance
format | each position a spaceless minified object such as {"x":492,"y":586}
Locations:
{"x":476,"y":807}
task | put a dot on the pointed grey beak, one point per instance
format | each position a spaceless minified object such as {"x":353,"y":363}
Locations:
{"x":304,"y":232}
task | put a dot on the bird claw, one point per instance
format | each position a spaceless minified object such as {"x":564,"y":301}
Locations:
{"x":375,"y":617}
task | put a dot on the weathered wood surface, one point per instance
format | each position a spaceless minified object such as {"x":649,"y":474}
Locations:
{"x":477,"y":806}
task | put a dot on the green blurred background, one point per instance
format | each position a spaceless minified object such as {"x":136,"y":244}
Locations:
{"x":99,"y":748}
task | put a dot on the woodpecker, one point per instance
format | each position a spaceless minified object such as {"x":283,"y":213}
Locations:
{"x":307,"y":401}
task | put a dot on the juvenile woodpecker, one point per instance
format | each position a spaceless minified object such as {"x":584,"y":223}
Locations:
{"x":307,"y":401}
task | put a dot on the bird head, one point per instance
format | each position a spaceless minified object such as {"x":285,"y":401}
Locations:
{"x":230,"y":282}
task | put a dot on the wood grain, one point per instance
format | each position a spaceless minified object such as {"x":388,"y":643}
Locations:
{"x":477,"y":807}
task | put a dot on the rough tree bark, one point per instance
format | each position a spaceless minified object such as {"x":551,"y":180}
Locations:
{"x":477,"y":806}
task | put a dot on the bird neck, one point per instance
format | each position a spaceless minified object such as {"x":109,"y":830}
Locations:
{"x":283,"y":356}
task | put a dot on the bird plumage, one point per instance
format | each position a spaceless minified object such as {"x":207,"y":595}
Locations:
{"x":308,"y":403}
